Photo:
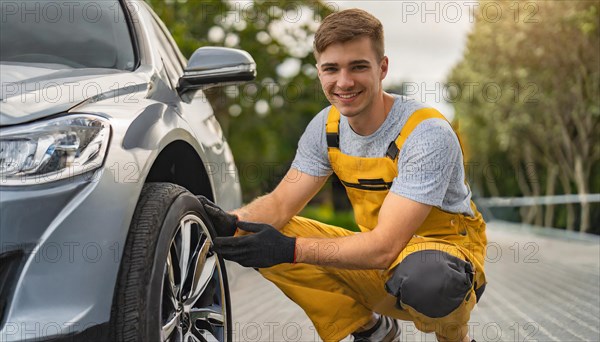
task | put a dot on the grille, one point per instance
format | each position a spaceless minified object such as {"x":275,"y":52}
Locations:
{"x":10,"y":264}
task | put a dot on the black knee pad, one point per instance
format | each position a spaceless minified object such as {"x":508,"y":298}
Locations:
{"x":432,"y":282}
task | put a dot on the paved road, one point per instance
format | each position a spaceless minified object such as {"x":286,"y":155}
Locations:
{"x":541,"y":288}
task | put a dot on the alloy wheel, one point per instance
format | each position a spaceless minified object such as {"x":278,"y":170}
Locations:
{"x":193,"y":305}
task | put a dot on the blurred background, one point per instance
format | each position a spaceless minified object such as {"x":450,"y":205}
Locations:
{"x":519,"y":79}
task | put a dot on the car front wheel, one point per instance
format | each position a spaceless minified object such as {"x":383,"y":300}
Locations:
{"x":171,"y":286}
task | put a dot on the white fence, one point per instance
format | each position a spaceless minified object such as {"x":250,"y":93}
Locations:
{"x":494,"y":202}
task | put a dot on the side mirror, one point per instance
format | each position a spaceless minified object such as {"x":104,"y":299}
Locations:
{"x":216,"y":66}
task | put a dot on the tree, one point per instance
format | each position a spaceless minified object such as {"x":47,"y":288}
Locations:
{"x":262,"y":120}
{"x":527,"y":95}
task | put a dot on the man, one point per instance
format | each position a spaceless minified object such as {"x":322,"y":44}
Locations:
{"x":420,"y":252}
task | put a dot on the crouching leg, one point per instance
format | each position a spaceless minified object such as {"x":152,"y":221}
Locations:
{"x":436,"y":289}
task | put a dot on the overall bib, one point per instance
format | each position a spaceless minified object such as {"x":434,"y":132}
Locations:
{"x":339,"y":301}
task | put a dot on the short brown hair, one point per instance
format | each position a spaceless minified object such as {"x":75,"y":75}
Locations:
{"x":347,"y":25}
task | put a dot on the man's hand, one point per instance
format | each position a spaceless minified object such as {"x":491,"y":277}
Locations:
{"x":266,"y":248}
{"x":224,"y":223}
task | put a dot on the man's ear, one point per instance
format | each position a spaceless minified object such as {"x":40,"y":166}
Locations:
{"x":384,"y":67}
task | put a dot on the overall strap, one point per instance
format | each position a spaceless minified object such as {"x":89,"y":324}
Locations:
{"x":413,"y":121}
{"x":332,"y":128}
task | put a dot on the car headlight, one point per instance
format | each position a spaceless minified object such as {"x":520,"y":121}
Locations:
{"x":50,"y":150}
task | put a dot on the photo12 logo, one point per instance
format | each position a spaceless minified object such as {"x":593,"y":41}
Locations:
{"x":63,"y":11}
{"x":54,"y":92}
{"x":456,"y":11}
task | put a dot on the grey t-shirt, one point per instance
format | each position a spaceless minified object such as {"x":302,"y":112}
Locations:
{"x":430,"y":164}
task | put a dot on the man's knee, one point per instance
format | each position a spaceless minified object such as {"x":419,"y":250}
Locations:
{"x":432,"y":282}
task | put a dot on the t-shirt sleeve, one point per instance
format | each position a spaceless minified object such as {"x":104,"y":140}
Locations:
{"x":426,"y":163}
{"x":311,"y":155}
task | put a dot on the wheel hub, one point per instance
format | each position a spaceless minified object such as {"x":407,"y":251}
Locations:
{"x":185,"y":322}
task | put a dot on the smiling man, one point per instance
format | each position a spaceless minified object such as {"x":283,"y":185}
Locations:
{"x":419,"y":255}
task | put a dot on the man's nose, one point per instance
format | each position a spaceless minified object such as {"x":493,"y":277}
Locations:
{"x":345,"y":80}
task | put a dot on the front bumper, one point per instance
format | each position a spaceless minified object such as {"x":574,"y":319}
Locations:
{"x":64,"y":240}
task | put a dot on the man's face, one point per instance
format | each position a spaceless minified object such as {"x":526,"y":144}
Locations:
{"x":351,"y":75}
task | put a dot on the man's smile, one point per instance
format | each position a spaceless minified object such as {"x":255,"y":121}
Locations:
{"x":347,"y":96}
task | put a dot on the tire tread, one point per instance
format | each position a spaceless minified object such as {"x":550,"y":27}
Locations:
{"x":136,"y":262}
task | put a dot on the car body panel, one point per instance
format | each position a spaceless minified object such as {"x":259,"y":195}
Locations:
{"x":31,"y":93}
{"x":73,"y":231}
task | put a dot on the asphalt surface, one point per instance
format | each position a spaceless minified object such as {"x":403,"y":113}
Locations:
{"x":541,"y":287}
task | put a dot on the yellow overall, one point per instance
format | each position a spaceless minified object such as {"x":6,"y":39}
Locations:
{"x":339,"y":301}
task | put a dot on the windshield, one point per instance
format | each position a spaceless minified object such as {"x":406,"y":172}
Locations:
{"x":76,"y":34}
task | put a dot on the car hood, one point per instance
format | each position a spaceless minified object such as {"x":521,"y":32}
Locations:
{"x":31,"y":92}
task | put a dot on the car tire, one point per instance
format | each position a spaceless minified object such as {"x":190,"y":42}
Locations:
{"x":171,"y":286}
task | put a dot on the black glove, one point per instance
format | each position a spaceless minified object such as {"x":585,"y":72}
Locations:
{"x":266,"y":248}
{"x":223,"y":222}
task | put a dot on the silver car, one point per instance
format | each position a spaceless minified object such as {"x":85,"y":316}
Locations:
{"x":106,"y":139}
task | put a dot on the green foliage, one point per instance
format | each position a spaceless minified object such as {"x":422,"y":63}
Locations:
{"x":325,"y":213}
{"x":264,"y":119}
{"x":528,"y":102}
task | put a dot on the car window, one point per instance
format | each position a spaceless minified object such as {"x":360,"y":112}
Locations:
{"x":171,"y":58}
{"x":174,"y":49}
{"x":91,"y":34}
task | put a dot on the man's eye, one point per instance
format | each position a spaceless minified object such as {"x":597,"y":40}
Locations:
{"x":360,"y":67}
{"x":329,"y":69}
